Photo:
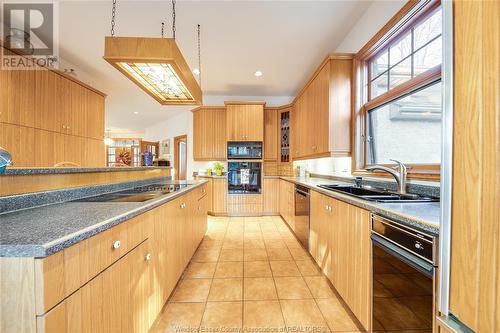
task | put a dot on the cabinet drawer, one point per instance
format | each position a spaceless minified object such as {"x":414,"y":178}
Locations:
{"x":60,"y":274}
{"x":201,"y":191}
{"x":108,"y":302}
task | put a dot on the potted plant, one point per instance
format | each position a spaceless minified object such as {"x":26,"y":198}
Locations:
{"x":218,"y":168}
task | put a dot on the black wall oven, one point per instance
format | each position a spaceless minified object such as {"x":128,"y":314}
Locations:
{"x":244,"y":177}
{"x":405,"y":273}
{"x":237,"y":150}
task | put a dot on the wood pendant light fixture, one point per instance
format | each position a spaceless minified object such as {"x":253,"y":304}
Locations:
{"x":156,"y":65}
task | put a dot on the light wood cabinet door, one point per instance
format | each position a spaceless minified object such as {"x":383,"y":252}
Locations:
{"x":209,"y":134}
{"x":198,"y":136}
{"x":19,"y":141}
{"x":95,"y":115}
{"x":320,"y":230}
{"x":322,"y":112}
{"x":245,"y":122}
{"x":271,"y":196}
{"x":44,"y":148}
{"x":18,"y":97}
{"x":95,"y":156}
{"x":77,"y":115}
{"x":209,"y":197}
{"x":219,"y":197}
{"x":287,"y":202}
{"x":351,"y":261}
{"x":45,"y":100}
{"x":254,"y":123}
{"x":117,"y":300}
{"x":318,"y":114}
{"x":235,"y":122}
{"x":270,"y":134}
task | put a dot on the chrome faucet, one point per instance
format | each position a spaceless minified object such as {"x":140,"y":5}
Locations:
{"x":399,"y":174}
{"x":5,"y":159}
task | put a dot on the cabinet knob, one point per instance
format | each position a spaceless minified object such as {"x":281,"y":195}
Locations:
{"x":117,"y":244}
{"x":183,"y":205}
{"x":147,"y":257}
{"x":326,"y":207}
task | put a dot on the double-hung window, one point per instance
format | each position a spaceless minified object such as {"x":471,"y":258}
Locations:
{"x":399,"y":93}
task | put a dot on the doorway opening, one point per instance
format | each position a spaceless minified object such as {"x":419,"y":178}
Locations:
{"x":180,"y":157}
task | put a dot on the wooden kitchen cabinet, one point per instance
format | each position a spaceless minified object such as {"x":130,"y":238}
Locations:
{"x":19,"y":141}
{"x":98,"y":286}
{"x":95,"y":115}
{"x":245,"y":121}
{"x":46,"y":92}
{"x":115,"y":301}
{"x":18,"y":97}
{"x":271,"y":134}
{"x":61,"y":111}
{"x":322,"y":111}
{"x":271,"y":196}
{"x":209,"y":133}
{"x":340,"y":244}
{"x":244,"y":204}
{"x":219,"y":196}
{"x":320,"y":231}
{"x":287,"y":202}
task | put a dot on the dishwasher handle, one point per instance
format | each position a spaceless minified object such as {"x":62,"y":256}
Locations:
{"x":306,"y":194}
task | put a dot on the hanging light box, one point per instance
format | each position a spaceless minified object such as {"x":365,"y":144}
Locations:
{"x":157,"y":66}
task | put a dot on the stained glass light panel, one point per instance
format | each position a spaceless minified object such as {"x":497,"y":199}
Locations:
{"x":158,"y":78}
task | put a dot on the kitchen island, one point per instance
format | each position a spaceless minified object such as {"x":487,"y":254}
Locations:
{"x":96,"y":266}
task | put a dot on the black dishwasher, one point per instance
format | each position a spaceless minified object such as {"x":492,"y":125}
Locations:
{"x":301,"y":227}
{"x":404,"y":277}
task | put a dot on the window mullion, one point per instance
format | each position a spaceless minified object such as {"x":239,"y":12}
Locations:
{"x":388,"y":68}
{"x":412,"y":52}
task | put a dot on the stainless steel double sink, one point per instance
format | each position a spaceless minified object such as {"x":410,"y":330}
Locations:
{"x":377,"y":195}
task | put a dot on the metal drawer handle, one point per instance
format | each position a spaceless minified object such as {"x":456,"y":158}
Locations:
{"x":147,"y":257}
{"x":117,"y":244}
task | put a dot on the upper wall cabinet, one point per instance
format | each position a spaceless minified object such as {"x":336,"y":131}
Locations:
{"x":18,"y":97}
{"x":270,"y":134}
{"x":245,"y":121}
{"x":48,"y":117}
{"x":209,"y":133}
{"x":321,"y":119}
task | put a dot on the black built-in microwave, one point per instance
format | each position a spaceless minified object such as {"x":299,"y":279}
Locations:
{"x":241,"y":150}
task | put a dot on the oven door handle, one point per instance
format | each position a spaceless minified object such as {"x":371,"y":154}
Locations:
{"x":403,"y":255}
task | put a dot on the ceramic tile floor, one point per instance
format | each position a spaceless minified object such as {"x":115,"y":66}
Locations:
{"x":250,"y":274}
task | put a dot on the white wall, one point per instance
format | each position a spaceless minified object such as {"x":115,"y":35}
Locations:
{"x":374,"y":18}
{"x":327,"y":166}
{"x":183,"y":124}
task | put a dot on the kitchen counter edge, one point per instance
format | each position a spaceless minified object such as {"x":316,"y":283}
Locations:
{"x":50,"y":171}
{"x":430,"y":225}
{"x":44,"y":250}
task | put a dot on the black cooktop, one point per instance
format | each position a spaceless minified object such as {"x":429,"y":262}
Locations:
{"x":136,"y":194}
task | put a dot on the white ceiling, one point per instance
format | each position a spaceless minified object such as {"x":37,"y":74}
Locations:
{"x":286,"y":40}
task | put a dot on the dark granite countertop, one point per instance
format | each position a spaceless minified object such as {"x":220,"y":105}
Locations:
{"x":46,"y":171}
{"x":41,"y":231}
{"x":224,"y":176}
{"x":422,"y":215}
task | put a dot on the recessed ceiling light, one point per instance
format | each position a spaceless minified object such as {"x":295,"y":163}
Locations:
{"x":135,"y":112}
{"x":196,"y":71}
{"x":258,"y":73}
